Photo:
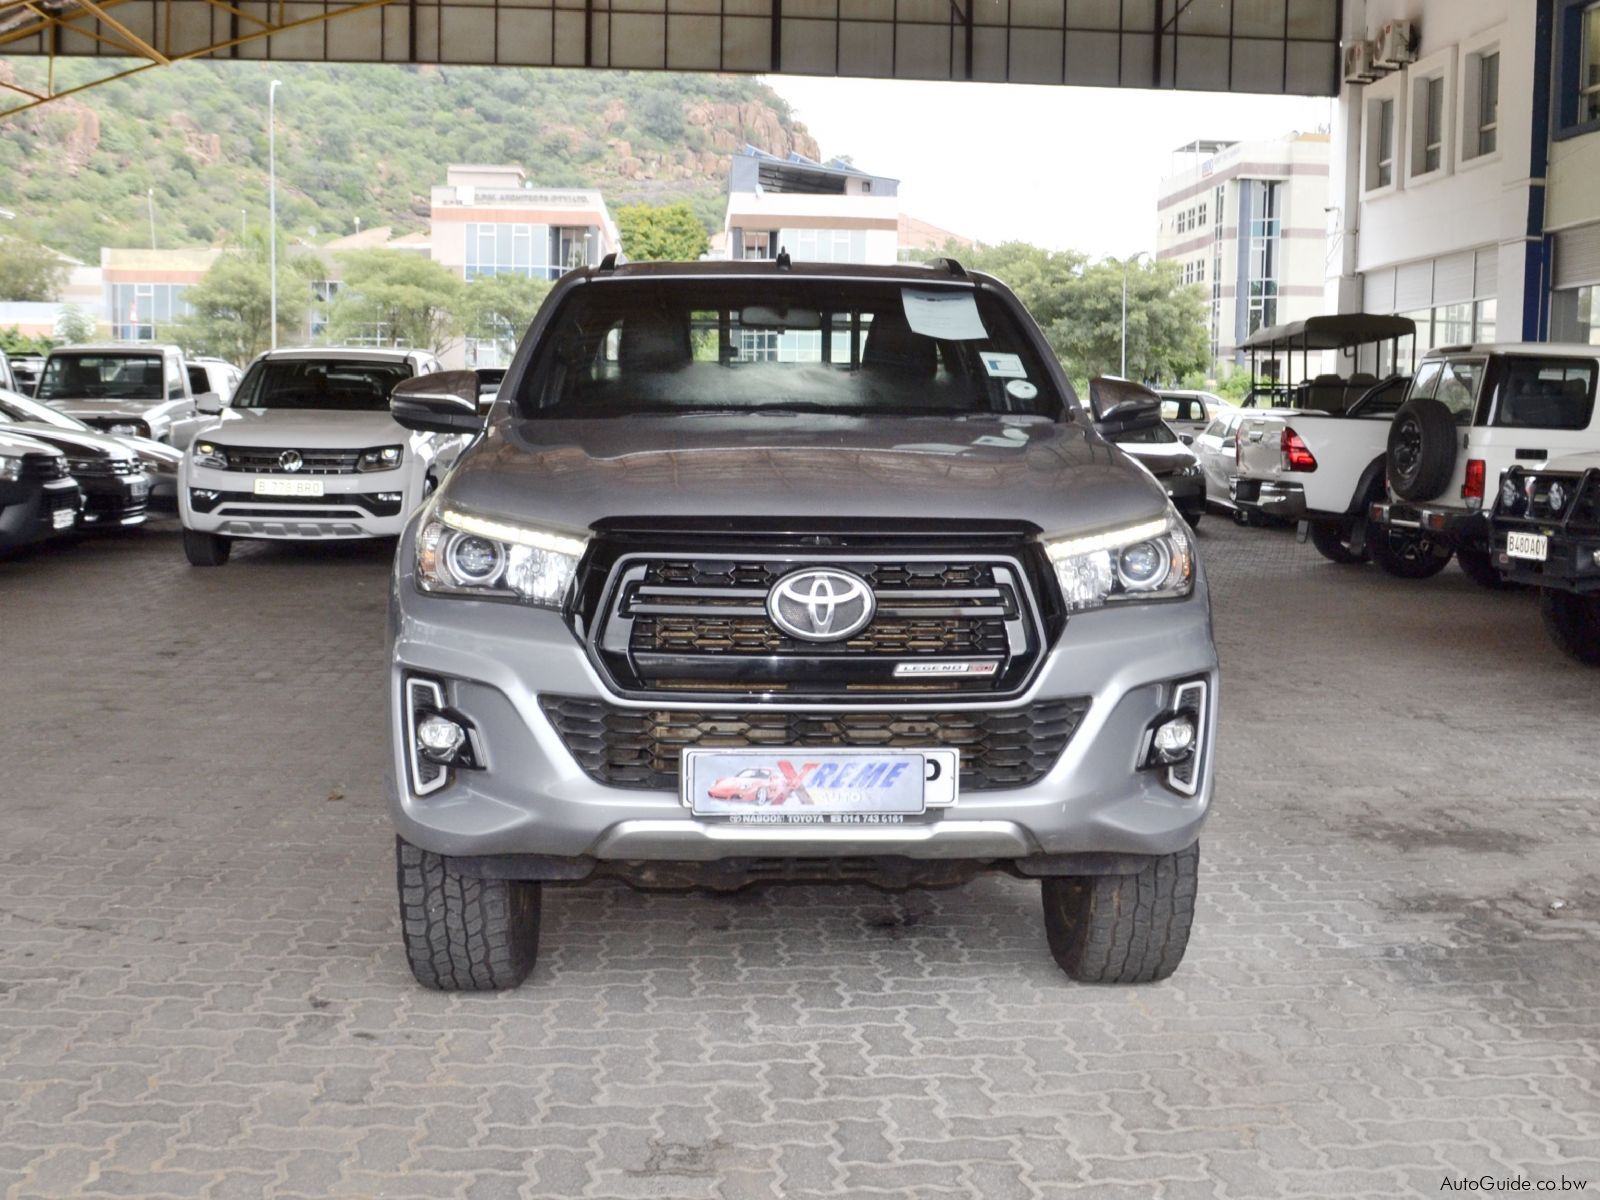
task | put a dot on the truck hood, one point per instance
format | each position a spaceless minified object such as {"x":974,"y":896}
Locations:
{"x":299,"y":427}
{"x":109,"y":408}
{"x":569,"y":475}
{"x":78,"y":445}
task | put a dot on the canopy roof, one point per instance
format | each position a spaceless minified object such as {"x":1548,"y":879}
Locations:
{"x":1330,"y":333}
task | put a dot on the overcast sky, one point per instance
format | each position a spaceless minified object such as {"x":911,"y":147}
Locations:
{"x":1061,"y":167}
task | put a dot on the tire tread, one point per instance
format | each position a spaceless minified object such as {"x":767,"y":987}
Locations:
{"x":1123,"y":928}
{"x":463,"y":933}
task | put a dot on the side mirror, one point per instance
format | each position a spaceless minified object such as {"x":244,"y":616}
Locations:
{"x":444,"y":402}
{"x":1122,"y":406}
{"x":1186,"y":438}
{"x":209,"y":403}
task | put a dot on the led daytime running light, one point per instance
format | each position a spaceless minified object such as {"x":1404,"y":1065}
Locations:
{"x":516,"y":535}
{"x":1114,"y":539}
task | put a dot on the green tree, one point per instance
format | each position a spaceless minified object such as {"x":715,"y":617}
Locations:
{"x":29,"y":271}
{"x":231,"y":308}
{"x":75,"y":326}
{"x":1167,"y":336}
{"x":403,"y":298}
{"x":14,"y":341}
{"x":499,"y":307}
{"x":661,"y":233}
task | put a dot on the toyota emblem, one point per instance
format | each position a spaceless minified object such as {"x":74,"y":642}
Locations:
{"x":821,"y":605}
{"x":290,"y":460}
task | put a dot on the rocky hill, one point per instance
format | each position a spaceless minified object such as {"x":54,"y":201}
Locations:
{"x":358,"y":143}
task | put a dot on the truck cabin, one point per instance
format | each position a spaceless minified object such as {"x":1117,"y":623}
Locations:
{"x":1339,"y":358}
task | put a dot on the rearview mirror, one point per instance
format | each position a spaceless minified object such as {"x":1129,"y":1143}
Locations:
{"x":209,"y":403}
{"x":444,"y":402}
{"x":1123,"y":406}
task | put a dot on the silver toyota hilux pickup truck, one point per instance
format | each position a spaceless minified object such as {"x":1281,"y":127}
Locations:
{"x":784,"y":571}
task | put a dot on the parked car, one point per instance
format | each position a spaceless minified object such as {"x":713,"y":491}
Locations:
{"x":1189,"y":412}
{"x":8,"y":380}
{"x":1159,"y":450}
{"x":116,"y":489}
{"x":25,"y":371}
{"x":790,"y":516}
{"x":1471,"y":414}
{"x":140,"y":389}
{"x":1546,"y":534}
{"x":38,"y":497}
{"x":308,"y":450}
{"x":1217,"y":450}
{"x":213,"y":375}
{"x":159,"y":460}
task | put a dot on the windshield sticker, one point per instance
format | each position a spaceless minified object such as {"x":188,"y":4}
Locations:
{"x":1022,"y":389}
{"x":1003,"y":366}
{"x":949,"y":316}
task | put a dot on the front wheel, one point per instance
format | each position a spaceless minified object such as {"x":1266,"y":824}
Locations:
{"x":463,"y":933}
{"x":1573,"y":623}
{"x":206,"y":549}
{"x":1332,"y":540}
{"x":1407,"y":555}
{"x":1123,"y":928}
{"x":1478,"y":566}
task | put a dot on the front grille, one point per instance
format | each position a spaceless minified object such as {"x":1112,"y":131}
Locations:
{"x":943,"y":624}
{"x":1568,"y":501}
{"x":265,"y":460}
{"x":102,"y":468}
{"x":59,"y":498}
{"x":640,"y":748}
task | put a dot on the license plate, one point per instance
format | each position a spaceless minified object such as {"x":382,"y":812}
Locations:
{"x":818,"y":785}
{"x":62,"y":518}
{"x":139,"y":491}
{"x":1534,"y":546}
{"x":288,"y":487}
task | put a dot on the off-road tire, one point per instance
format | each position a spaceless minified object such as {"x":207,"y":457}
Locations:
{"x":1421,"y":454}
{"x":1407,"y":555}
{"x":462,"y":933}
{"x":1478,"y":566}
{"x":1573,"y":623}
{"x":206,"y":549}
{"x":1331,"y":538}
{"x":1122,"y":928}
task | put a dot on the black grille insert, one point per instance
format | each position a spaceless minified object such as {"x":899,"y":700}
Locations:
{"x":264,"y":460}
{"x":640,"y":748}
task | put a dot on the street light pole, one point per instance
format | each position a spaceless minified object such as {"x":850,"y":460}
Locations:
{"x":1125,"y":263}
{"x":272,"y":199}
{"x":150,"y":201}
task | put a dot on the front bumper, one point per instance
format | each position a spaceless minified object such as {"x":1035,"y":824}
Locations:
{"x":371,"y":505}
{"x":1269,"y":497}
{"x":533,"y":798}
{"x":28,"y":511}
{"x":1454,"y":527}
{"x":114,"y":501}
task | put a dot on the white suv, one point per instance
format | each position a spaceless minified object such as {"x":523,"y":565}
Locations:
{"x":1471,"y":415}
{"x":308,"y":450}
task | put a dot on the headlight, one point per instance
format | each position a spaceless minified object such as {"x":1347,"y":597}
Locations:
{"x":459,"y":554}
{"x":10,"y":467}
{"x":129,"y":429}
{"x":384,"y":458}
{"x":206,"y":454}
{"x":1149,"y":561}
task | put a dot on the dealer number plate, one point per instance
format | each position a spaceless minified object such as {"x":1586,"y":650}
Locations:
{"x":63,"y":518}
{"x":288,"y":487}
{"x":1532,"y":546}
{"x":818,"y":785}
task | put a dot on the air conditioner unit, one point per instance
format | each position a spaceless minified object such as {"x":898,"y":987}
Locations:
{"x":1396,"y":45}
{"x":1358,"y":66}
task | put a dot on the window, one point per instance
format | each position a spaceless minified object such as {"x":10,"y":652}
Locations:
{"x":1428,"y":153}
{"x":1575,"y":315}
{"x":1200,"y":215}
{"x":321,"y":384}
{"x":1589,"y":66}
{"x":569,"y":249}
{"x":1578,"y":59}
{"x":505,"y":249}
{"x":757,"y":244}
{"x":1452,"y":325}
{"x":1488,"y":107}
{"x":140,"y":310}
{"x":1263,"y":201}
{"x":1381,"y":136}
{"x":1483,"y":321}
{"x":1545,"y":393}
{"x":102,"y":377}
{"x":825,"y":245}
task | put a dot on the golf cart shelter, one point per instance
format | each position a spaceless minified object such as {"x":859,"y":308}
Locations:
{"x":1262,"y":46}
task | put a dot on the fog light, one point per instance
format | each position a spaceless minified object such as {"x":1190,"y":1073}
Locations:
{"x":1174,"y":740}
{"x":440,"y":737}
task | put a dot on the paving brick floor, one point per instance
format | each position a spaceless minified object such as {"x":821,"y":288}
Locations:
{"x":1393,"y":980}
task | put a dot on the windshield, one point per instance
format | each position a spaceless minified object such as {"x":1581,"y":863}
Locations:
{"x":320,"y":383}
{"x":868,"y":348}
{"x":19,"y":408}
{"x":101,"y":377}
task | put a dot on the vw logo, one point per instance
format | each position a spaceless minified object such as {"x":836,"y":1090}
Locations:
{"x":290,"y":460}
{"x":821,"y":605}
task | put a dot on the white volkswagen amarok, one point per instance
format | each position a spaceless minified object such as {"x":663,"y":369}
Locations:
{"x":308,"y":450}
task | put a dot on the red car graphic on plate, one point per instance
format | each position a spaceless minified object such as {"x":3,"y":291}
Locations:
{"x":753,"y":785}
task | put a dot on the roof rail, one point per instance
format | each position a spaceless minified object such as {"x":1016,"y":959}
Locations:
{"x":609,"y":262}
{"x":949,"y":266}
